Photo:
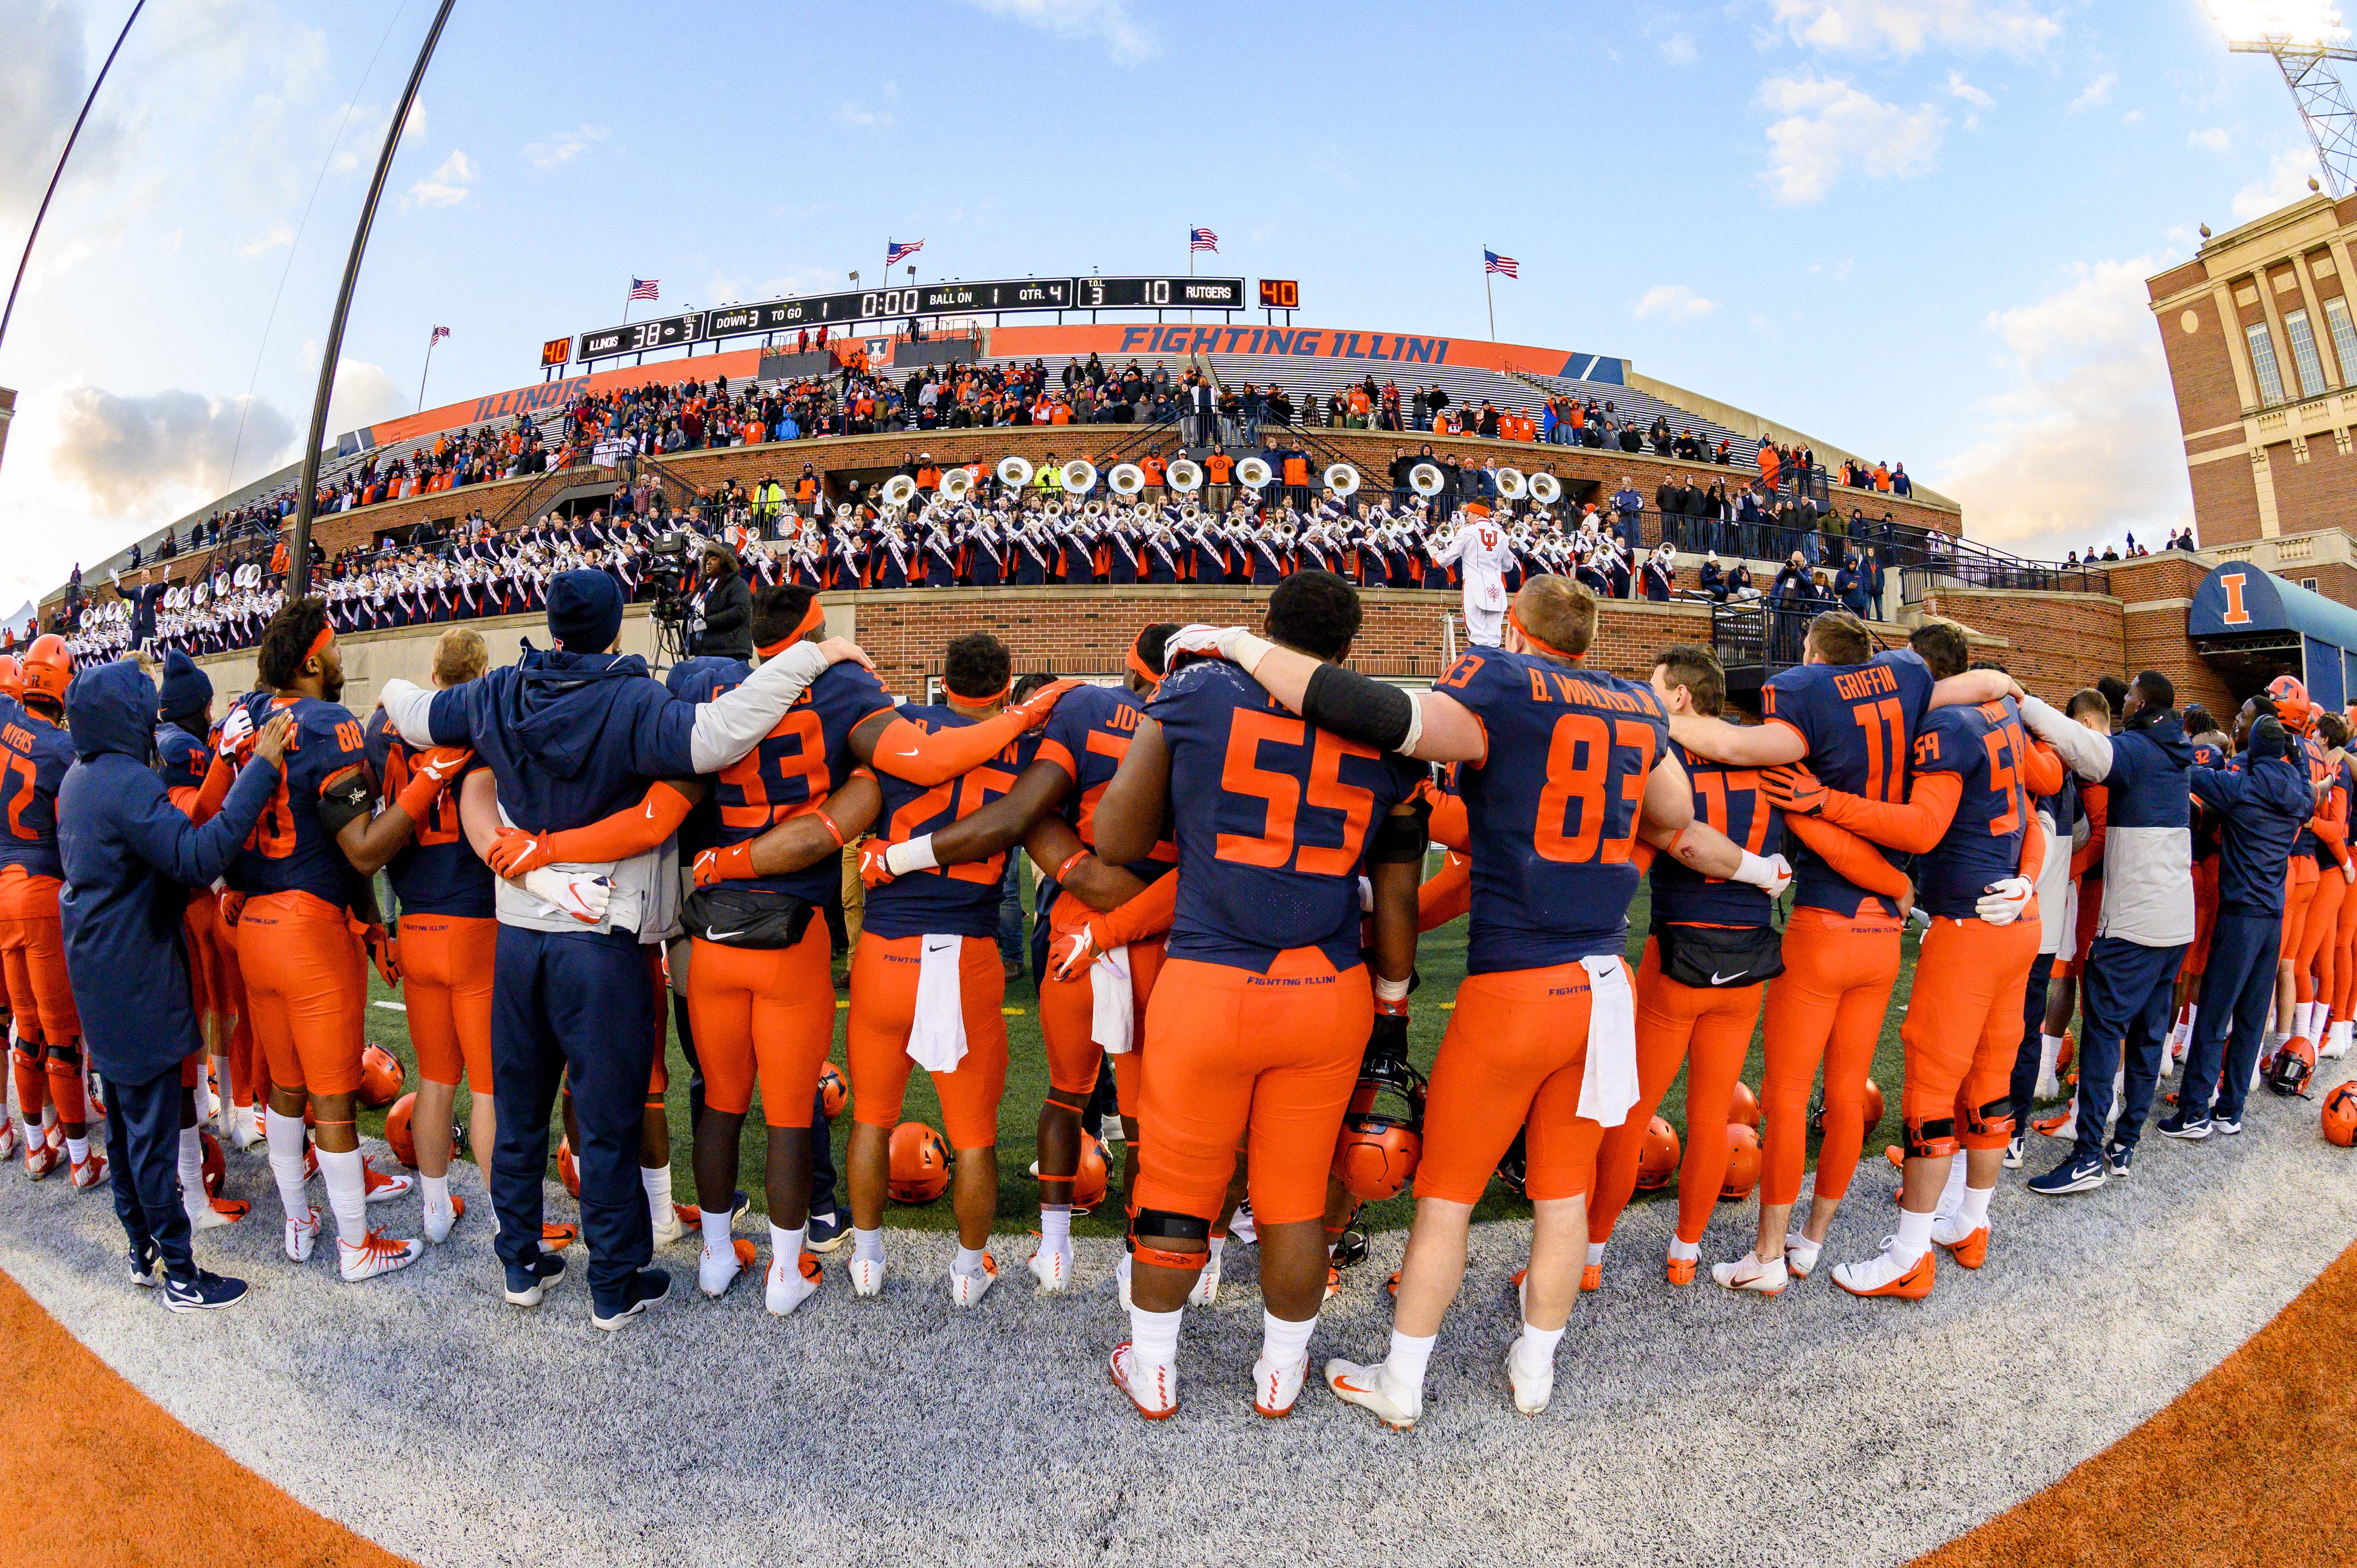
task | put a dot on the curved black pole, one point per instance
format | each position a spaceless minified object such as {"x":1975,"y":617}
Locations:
{"x":298,"y":566}
{"x":59,"y":173}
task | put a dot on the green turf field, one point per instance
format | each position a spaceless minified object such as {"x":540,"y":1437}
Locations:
{"x":1440,"y":960}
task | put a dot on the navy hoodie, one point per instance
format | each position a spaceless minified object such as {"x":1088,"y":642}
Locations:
{"x":2263,"y":805}
{"x":130,"y":858}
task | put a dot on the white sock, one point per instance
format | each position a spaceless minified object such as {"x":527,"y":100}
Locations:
{"x":867,"y":1245}
{"x":968,"y":1260}
{"x":285,"y":1143}
{"x":1281,"y":1343}
{"x":786,"y":1246}
{"x":78,"y":1150}
{"x":1410,"y":1354}
{"x":347,"y":1193}
{"x":2192,"y":1016}
{"x":656,"y":1179}
{"x":1218,"y":1242}
{"x":1595,"y":1253}
{"x":437,"y":1192}
{"x":192,"y":1171}
{"x":1154,"y":1336}
{"x":1953,"y":1194}
{"x":1684,"y":1251}
{"x":1056,"y":1227}
{"x":718,"y":1241}
{"x":1975,"y":1213}
{"x":1534,"y":1348}
{"x":1914,"y":1238}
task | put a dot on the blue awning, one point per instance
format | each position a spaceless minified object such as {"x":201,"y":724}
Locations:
{"x":2240,"y":608}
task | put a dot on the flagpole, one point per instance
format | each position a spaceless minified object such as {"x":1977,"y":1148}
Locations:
{"x":421,"y":374}
{"x":1488,"y":295}
{"x":627,"y":294}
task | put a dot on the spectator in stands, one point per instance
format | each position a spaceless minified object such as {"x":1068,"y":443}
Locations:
{"x":1740,"y":586}
{"x":1791,"y":589}
{"x":1899,"y":483}
{"x":1849,"y":585}
{"x":1712,"y":578}
{"x":1628,"y":511}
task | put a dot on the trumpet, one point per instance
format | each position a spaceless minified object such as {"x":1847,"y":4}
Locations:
{"x":1512,"y":486}
{"x":1342,"y":479}
{"x":1127,"y":479}
{"x":1186,"y":476}
{"x":1094,"y":509}
{"x":1253,"y":473}
{"x":1079,"y":476}
{"x":1545,"y":489}
{"x":957,"y":483}
{"x":899,"y":490}
{"x":1013,"y":472}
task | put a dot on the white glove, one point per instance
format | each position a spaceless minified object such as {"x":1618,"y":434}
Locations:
{"x":2050,"y":1083}
{"x":583,"y":897}
{"x":2348,"y":869}
{"x":1232,"y":643}
{"x":2002,"y":903}
{"x":1920,"y":916}
{"x":1772,"y":874}
{"x":237,"y":732}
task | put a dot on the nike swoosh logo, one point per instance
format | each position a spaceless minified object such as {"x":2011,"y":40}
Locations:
{"x":1718,"y":979}
{"x":712,"y":936}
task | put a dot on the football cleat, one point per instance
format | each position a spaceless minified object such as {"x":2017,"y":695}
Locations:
{"x":1053,"y":1267}
{"x":1591,"y":1278}
{"x":640,"y":1291}
{"x":249,"y":1133}
{"x":302,"y":1231}
{"x":713,"y":1275}
{"x":7,"y":1136}
{"x":667,"y":1227}
{"x":382,"y":1188}
{"x":218,"y":1212}
{"x":1206,"y":1289}
{"x":867,"y":1275}
{"x":2336,"y":1046}
{"x":377,"y":1253}
{"x":555,"y":1239}
{"x":1681,"y":1271}
{"x":782,"y":1291}
{"x":526,"y":1283}
{"x":1152,"y":1390}
{"x":968,"y":1290}
{"x":1275,"y":1388}
{"x":1242,"y":1226}
{"x":438,"y":1226}
{"x":1884,"y":1275}
{"x":1748,"y":1273}
{"x":90,"y":1173}
{"x":1333,"y":1282}
{"x":1801,"y":1254}
{"x":1533,"y":1390}
{"x":40,"y":1160}
{"x":2060,"y":1124}
{"x":1371,"y":1388}
{"x":1967,"y":1245}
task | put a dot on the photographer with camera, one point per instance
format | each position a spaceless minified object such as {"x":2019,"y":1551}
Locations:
{"x":724,"y":605}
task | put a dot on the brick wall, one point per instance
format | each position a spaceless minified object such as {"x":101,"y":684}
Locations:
{"x":2052,"y":643}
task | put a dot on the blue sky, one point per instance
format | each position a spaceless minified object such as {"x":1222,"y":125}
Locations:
{"x":1917,"y":228}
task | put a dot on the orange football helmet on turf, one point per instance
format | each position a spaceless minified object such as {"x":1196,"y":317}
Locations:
{"x":48,"y":669}
{"x":380,"y":1075}
{"x":1094,"y":1177}
{"x":1742,"y":1163}
{"x":2292,"y":704}
{"x":397,"y":1136}
{"x":2340,"y":1116}
{"x":834,"y":1094}
{"x":1657,"y":1156}
{"x":1743,"y":1105}
{"x":12,"y":676}
{"x":2290,"y":1068}
{"x":1376,"y":1156}
{"x":567,"y":1171}
{"x":921,"y":1164}
{"x":215,"y":1168}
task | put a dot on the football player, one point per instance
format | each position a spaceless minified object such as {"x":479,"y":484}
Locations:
{"x":1852,"y":712}
{"x":1560,"y":769}
{"x":305,"y":871}
{"x":2343,"y":944}
{"x":2324,"y":849}
{"x":30,"y":1112}
{"x":1266,"y":1005}
{"x":2079,"y":914}
{"x":36,"y":752}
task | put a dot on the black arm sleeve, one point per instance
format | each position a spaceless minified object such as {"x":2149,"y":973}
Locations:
{"x":1357,"y":707}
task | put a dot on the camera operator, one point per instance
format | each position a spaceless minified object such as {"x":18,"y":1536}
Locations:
{"x":724,"y":605}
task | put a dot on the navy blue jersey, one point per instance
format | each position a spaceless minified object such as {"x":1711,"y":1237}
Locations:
{"x":1857,"y":720}
{"x":1087,"y":737}
{"x":290,"y":849}
{"x":1551,"y":809}
{"x":2207,"y":754}
{"x":1983,"y":747}
{"x":182,"y":758}
{"x":2309,"y":756}
{"x":1273,"y":820}
{"x":34,"y":756}
{"x":950,"y":900}
{"x":437,"y":871}
{"x":802,"y":761}
{"x":1728,"y":798}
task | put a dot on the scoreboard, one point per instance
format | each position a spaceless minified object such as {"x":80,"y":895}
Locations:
{"x":1039,"y":294}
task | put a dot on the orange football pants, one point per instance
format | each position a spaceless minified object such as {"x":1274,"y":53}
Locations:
{"x":1827,"y":1006}
{"x":2316,"y":956}
{"x":884,"y":1010}
{"x":445,"y":978}
{"x":2344,"y":962}
{"x":1962,"y":1032}
{"x":1512,"y":1060}
{"x":1265,"y":1060}
{"x":2300,"y":891}
{"x":1067,"y":1015}
{"x":41,"y":993}
{"x":2205,"y":916}
{"x":1709,"y":1029}
{"x":200,"y":928}
{"x":248,"y":1070}
{"x":307,"y":980}
{"x":766,"y":1013}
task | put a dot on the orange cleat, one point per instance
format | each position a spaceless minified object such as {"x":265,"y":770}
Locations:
{"x":1590,"y":1278}
{"x":1895,"y":1156}
{"x":556,"y":1237}
{"x":1969,"y":1247}
{"x":1681,"y":1271}
{"x":1880,"y":1276}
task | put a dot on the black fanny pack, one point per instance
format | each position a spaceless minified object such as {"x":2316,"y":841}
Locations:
{"x":745,"y":916}
{"x":1718,"y":958}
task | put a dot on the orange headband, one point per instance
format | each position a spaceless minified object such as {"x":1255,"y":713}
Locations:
{"x":812,"y":618}
{"x":1516,"y":622}
{"x":998,"y":696}
{"x":319,"y":643}
{"x":1138,"y":666}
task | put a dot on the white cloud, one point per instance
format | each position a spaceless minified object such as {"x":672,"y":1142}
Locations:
{"x":1678,"y":49}
{"x":447,"y":186}
{"x":1908,"y":27}
{"x":2286,"y":181}
{"x":125,"y":453}
{"x":44,"y":75}
{"x":562,"y":147}
{"x":1959,"y":88}
{"x":364,"y":137}
{"x":2214,"y":139}
{"x":1829,"y":126}
{"x":278,"y":235}
{"x":2133,"y":117}
{"x":2083,"y":444}
{"x":364,"y":394}
{"x":1127,"y":40}
{"x":1674,"y":301}
{"x":857,"y":115}
{"x":1837,"y":272}
{"x":2095,"y":94}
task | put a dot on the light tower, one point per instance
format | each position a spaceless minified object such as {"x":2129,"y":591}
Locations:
{"x":2307,"y":43}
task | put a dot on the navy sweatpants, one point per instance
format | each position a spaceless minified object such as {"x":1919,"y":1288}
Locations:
{"x":579,"y":1006}
{"x":2024,"y":1086}
{"x":2126,"y":992}
{"x":2238,"y":987}
{"x":143,"y":1148}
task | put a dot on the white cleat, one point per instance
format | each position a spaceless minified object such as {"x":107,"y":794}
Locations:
{"x":966,"y":1290}
{"x":1747,"y":1273}
{"x":666,"y":1227}
{"x":1884,"y":1275}
{"x":438,"y":1221}
{"x":2336,"y":1046}
{"x":249,"y":1133}
{"x":1533,"y":1390}
{"x":1152,"y":1390}
{"x":91,"y":1173}
{"x":1372,"y":1388}
{"x":788,"y":1289}
{"x":302,"y":1231}
{"x":209,"y":1215}
{"x":1275,"y":1387}
{"x":383,"y":1188}
{"x":1053,"y":1267}
{"x":1207,"y":1284}
{"x":1801,"y":1254}
{"x":1243,"y":1227}
{"x":378,"y":1254}
{"x":867,"y":1275}
{"x":715,"y":1275}
{"x":7,"y":1136}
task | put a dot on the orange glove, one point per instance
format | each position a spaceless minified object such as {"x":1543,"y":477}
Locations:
{"x":873,"y":871}
{"x":733,"y":864}
{"x":515,"y":852}
{"x":432,"y":775}
{"x":1036,"y":708}
{"x":1793,"y":788}
{"x":232,"y":905}
{"x":384,"y":951}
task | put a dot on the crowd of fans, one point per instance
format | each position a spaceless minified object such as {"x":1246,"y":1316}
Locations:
{"x":2177,"y":539}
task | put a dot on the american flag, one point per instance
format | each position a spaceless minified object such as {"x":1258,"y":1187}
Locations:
{"x":1493,"y":263}
{"x":1201,"y":239}
{"x":899,"y":251}
{"x":646,"y":289}
{"x":439,"y":333}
